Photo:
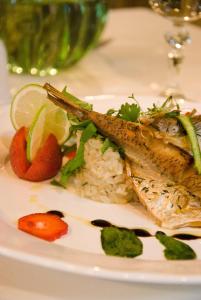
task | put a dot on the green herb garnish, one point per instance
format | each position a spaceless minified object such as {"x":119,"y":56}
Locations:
{"x":108,"y":144}
{"x":72,"y":118}
{"x":78,"y":161}
{"x":67,"y":149}
{"x":191,"y":132}
{"x":129,"y":112}
{"x":169,"y":108}
{"x":80,"y":125}
{"x":77,"y":101}
{"x":111,"y":112}
{"x":77,"y":125}
{"x":174,"y":249}
{"x":120,"y":242}
{"x":172,"y":114}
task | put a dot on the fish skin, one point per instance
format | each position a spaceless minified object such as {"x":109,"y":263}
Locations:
{"x":171,"y":204}
{"x":152,"y":158}
{"x":192,"y":181}
{"x":141,"y":143}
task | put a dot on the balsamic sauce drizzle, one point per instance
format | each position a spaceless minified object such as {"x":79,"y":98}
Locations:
{"x":140,"y":232}
{"x":186,"y":236}
{"x":56,"y":213}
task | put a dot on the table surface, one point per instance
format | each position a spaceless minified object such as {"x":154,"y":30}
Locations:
{"x":132,"y":60}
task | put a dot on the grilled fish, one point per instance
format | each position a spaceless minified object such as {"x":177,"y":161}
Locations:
{"x":158,"y":169}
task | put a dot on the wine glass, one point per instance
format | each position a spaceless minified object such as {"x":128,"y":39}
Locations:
{"x":179,"y":12}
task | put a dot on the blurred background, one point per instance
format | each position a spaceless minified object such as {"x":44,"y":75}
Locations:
{"x":122,"y":3}
{"x":43,"y":37}
{"x":132,"y":3}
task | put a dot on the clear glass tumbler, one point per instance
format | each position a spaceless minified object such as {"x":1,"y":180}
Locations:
{"x":44,"y":36}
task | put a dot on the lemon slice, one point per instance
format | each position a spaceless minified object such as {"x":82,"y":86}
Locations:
{"x":26,"y":107}
{"x":26,"y":103}
{"x":36,"y":133}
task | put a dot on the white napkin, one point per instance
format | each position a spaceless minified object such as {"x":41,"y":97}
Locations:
{"x":4,"y":89}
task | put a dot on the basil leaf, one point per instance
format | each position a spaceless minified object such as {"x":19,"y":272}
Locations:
{"x":77,"y":101}
{"x":88,"y":133}
{"x":175,"y":249}
{"x":120,"y":242}
{"x":78,"y":161}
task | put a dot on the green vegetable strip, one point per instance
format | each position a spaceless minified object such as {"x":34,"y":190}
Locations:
{"x":78,"y":161}
{"x":191,"y":132}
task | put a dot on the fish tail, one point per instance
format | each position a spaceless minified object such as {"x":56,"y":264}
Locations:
{"x":62,"y":101}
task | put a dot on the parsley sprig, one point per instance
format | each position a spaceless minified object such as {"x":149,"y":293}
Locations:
{"x":128,"y":112}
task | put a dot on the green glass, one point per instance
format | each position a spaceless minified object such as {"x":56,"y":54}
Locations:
{"x":44,"y":36}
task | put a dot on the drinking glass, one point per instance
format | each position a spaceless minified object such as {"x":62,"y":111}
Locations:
{"x":179,"y":12}
{"x":44,"y":36}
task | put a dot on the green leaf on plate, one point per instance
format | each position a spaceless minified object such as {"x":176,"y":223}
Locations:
{"x":120,"y":242}
{"x":174,"y":249}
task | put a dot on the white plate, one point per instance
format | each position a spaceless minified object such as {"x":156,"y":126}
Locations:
{"x":80,"y":251}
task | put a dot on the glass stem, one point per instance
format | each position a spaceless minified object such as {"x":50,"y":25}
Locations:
{"x":176,"y":40}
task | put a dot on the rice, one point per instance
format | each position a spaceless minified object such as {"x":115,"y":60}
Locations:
{"x":102,"y":178}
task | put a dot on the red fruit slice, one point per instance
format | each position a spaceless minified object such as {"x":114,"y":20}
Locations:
{"x":42,"y":225}
{"x":45,"y":165}
{"x":18,"y":159}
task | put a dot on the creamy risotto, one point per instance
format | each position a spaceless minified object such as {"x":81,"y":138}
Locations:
{"x":102,"y":178}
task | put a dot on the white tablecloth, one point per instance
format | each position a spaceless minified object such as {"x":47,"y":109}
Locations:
{"x":133,"y":61}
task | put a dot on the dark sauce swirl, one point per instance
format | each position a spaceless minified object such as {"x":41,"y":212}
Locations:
{"x":103,"y":223}
{"x":140,"y":232}
{"x":56,"y":213}
{"x":186,"y":236}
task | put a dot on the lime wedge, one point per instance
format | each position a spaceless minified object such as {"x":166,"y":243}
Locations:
{"x":25,"y":111}
{"x":57,"y":123}
{"x":26,"y":103}
{"x":36,"y":133}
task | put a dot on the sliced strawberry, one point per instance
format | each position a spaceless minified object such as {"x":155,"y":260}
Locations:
{"x":71,"y":154}
{"x":42,"y":225}
{"x":47,"y":162}
{"x":45,"y":165}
